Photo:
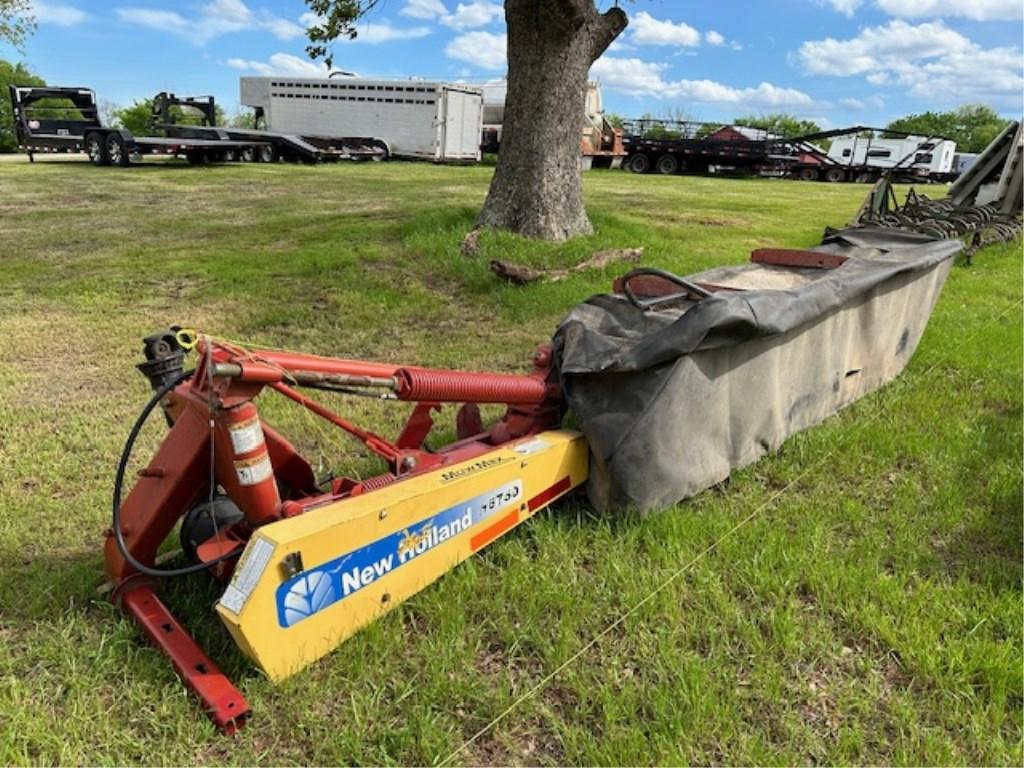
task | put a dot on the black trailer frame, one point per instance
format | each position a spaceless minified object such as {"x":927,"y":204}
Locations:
{"x":41,"y":126}
{"x":273,"y":145}
{"x":671,"y":146}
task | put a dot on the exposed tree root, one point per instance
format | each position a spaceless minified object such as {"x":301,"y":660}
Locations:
{"x":519,"y":274}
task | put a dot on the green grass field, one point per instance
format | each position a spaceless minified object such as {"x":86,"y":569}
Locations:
{"x":867,"y":609}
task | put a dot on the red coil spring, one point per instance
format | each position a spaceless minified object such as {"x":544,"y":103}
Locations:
{"x":377,"y":481}
{"x":461,"y":387}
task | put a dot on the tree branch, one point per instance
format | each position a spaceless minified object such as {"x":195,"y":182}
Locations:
{"x":609,"y":25}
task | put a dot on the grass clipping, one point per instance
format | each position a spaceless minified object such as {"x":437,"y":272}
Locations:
{"x":519,"y":274}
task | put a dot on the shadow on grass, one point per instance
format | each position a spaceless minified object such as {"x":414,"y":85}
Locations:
{"x":989,"y":549}
{"x":47,"y":591}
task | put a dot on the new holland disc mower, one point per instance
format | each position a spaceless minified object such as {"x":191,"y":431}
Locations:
{"x":674,"y":382}
{"x":308,"y":564}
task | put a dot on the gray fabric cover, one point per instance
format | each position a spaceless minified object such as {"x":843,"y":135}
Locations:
{"x":673,"y":400}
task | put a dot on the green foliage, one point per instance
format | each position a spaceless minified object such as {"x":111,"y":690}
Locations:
{"x":972,"y":126}
{"x":12,"y":74}
{"x":779,"y":123}
{"x":245,"y":119}
{"x":16,"y":21}
{"x":614,"y":119}
{"x":706,"y":130}
{"x":137,"y":118}
{"x":336,"y":18}
{"x":654,"y":129}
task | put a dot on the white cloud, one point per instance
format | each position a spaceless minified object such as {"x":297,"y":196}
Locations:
{"x":647,"y":78}
{"x":280,"y":64}
{"x":877,"y":48}
{"x":283,"y":29}
{"x":56,"y":14}
{"x":871,"y":102}
{"x":167,"y":21}
{"x":424,"y":9}
{"x":978,"y":10}
{"x":930,"y":60}
{"x":711,"y":37}
{"x":478,"y":13}
{"x":214,"y":19}
{"x":647,"y":30}
{"x":482,"y":49}
{"x":385,"y":32}
{"x":845,"y":7}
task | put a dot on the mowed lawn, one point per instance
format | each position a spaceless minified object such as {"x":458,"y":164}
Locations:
{"x":855,"y":598}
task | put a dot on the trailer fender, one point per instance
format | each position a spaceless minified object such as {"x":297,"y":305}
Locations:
{"x":382,"y":144}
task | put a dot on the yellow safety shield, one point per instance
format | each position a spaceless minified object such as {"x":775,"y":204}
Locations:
{"x":306,"y":584}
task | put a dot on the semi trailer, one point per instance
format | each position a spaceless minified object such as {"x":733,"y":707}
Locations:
{"x":441,"y":122}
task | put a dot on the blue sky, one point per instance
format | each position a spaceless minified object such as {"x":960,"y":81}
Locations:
{"x":839,"y":62}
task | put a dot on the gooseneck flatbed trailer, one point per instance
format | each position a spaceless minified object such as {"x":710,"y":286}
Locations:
{"x":61,"y":119}
{"x":168,"y":110}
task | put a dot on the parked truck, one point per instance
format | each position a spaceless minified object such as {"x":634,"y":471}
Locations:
{"x":434,"y":121}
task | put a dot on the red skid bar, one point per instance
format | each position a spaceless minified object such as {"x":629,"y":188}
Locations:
{"x":224,"y":703}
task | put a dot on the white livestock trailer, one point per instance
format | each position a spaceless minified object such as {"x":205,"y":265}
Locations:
{"x":434,"y":121}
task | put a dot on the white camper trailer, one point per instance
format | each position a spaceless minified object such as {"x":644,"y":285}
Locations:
{"x":433,"y":121}
{"x":933,"y":157}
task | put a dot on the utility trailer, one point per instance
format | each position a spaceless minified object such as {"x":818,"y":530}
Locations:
{"x":434,"y":121}
{"x":169,"y":111}
{"x":62,"y":119}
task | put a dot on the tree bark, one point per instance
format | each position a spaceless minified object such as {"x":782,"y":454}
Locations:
{"x":537,"y":189}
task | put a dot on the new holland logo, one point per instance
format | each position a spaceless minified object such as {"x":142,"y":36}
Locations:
{"x":318,"y":588}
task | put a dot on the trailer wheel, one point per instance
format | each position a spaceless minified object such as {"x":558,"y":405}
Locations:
{"x":196,"y":157}
{"x":639,"y":163}
{"x":96,"y":149}
{"x":808,"y":174}
{"x":267,"y":153}
{"x":248,"y":155}
{"x":229,"y":156}
{"x":667,"y":164}
{"x":117,"y":152}
{"x":835,"y":175}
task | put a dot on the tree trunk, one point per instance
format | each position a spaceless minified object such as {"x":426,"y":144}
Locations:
{"x":537,"y":189}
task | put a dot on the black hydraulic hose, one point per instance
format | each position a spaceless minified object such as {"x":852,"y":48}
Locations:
{"x":122,"y":467}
